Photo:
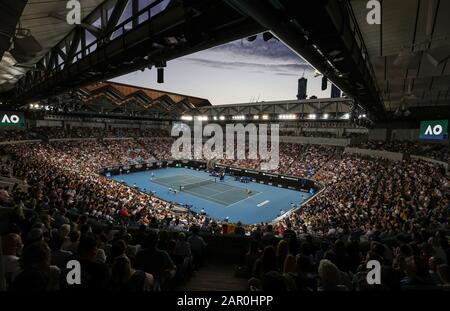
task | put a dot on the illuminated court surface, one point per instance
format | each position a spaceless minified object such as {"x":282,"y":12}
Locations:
{"x":246,"y":202}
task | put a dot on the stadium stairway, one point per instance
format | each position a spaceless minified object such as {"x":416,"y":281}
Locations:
{"x":223,"y":254}
{"x":215,"y":276}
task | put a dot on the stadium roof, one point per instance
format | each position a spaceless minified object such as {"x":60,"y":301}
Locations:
{"x":42,"y":23}
{"x":126,"y":91}
{"x":118,"y":99}
{"x":409,"y":51}
{"x":122,"y":36}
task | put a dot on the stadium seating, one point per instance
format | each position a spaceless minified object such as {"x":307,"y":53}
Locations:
{"x":394,"y":212}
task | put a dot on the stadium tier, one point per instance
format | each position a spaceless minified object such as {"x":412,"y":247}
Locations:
{"x":276,"y":147}
{"x":56,"y":189}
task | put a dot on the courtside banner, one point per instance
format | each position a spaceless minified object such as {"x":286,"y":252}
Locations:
{"x":436,"y":129}
{"x":12,"y":119}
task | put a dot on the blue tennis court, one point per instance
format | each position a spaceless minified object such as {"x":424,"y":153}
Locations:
{"x":249,"y":203}
{"x":209,"y":189}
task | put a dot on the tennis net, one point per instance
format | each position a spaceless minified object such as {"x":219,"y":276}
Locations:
{"x":197,"y":184}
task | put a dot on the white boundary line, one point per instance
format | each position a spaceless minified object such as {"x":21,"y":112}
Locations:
{"x":211,"y":198}
{"x":259,"y":192}
{"x":205,"y":198}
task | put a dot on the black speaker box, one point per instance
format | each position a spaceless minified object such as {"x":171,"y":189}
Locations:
{"x":160,"y":75}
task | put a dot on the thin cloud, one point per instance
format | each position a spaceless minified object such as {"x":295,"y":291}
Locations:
{"x":281,"y":69}
{"x":272,"y":50}
{"x":288,"y":74}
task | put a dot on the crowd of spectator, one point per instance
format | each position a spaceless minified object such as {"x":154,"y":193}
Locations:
{"x":327,"y":134}
{"x":310,"y":160}
{"x":36,"y":253}
{"x":159,"y":146}
{"x":339,"y":262}
{"x":58,"y":132}
{"x":154,"y":132}
{"x":370,"y":196}
{"x":435,"y":151}
{"x":16,"y":135}
{"x":128,"y":151}
{"x":373,"y":200}
{"x":361,"y":193}
{"x":319,"y":134}
{"x":294,"y":159}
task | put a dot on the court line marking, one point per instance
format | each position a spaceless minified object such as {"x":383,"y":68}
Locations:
{"x":262,"y":203}
{"x":222,"y":192}
{"x":245,"y":199}
{"x":223,"y":203}
{"x":210,"y":198}
{"x":232,"y":188}
{"x":176,"y":177}
{"x":188,"y":181}
{"x":303,"y":195}
{"x":206,"y":198}
{"x":208,"y":189}
{"x":217,"y":191}
{"x":195,"y":194}
{"x":176,"y":183}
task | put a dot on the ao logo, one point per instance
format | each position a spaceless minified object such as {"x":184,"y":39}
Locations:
{"x":435,"y":130}
{"x":13,"y":119}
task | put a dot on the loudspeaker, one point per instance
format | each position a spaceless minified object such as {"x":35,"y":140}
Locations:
{"x":267,"y":36}
{"x":160,"y":75}
{"x":302,"y":85}
{"x":25,"y":49}
{"x":324,"y":83}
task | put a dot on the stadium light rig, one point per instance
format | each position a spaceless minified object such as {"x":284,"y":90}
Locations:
{"x":35,"y":106}
{"x":312,"y":116}
{"x":287,"y":117}
{"x":240,"y":117}
{"x":265,"y":117}
{"x":222,"y":118}
{"x":325,"y":116}
{"x":187,"y":118}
